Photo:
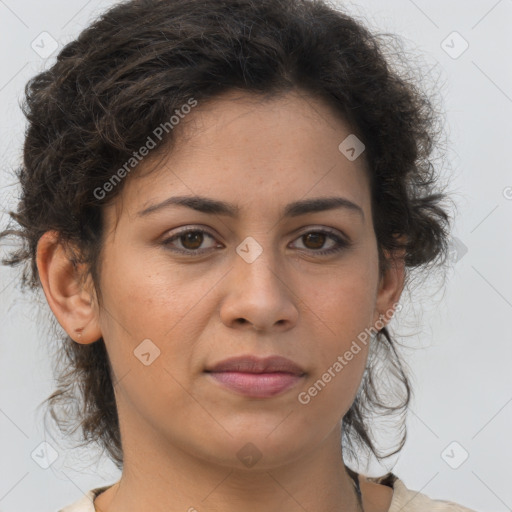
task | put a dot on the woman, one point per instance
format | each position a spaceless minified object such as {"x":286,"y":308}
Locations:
{"x":222,"y":201}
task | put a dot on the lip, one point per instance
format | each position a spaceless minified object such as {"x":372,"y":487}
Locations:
{"x":257,"y":377}
{"x":253,"y":364}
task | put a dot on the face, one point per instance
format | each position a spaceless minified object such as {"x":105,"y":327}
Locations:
{"x":185,"y":289}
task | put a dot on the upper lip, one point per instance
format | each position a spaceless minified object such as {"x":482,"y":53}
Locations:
{"x":252,"y":364}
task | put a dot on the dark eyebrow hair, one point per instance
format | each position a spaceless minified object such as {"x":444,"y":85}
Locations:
{"x":213,"y":206}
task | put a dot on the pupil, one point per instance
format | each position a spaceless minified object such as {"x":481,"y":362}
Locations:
{"x":190,"y":237}
{"x":194,"y":239}
{"x":319,"y":237}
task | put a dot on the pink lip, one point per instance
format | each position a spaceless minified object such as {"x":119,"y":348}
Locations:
{"x":255,"y":377}
{"x":257,"y":385}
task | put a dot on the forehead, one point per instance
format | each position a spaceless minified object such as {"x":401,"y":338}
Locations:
{"x":256,"y":152}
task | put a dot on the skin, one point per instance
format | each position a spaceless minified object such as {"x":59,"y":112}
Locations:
{"x":180,"y":431}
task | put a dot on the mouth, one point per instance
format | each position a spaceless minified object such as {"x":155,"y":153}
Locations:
{"x":257,"y":378}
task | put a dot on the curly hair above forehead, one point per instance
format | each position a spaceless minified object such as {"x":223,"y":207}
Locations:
{"x":140,"y":62}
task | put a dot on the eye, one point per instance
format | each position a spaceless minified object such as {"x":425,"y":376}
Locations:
{"x":190,"y":240}
{"x":316,"y":239}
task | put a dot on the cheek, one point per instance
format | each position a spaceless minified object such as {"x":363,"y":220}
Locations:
{"x":341,"y":321}
{"x":340,"y":311}
{"x":148,"y":298}
{"x":153,"y":314}
{"x":342,"y":302}
{"x":148,"y":331}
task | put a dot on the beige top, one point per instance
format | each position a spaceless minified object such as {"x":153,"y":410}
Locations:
{"x":404,"y":499}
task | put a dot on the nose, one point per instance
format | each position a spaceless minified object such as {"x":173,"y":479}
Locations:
{"x":259,"y":296}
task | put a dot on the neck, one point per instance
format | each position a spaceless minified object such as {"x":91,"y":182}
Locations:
{"x":158,"y":478}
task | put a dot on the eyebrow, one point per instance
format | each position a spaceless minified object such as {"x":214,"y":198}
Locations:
{"x":213,"y":206}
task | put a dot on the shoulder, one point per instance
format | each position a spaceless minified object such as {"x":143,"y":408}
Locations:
{"x":408,"y":500}
{"x":403,"y":499}
{"x":85,"y":503}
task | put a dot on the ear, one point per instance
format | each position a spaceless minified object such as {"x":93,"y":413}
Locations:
{"x":391,"y":285}
{"x":73,"y":303}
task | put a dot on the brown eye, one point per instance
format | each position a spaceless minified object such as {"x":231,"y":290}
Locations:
{"x":314,"y":240}
{"x":190,"y":241}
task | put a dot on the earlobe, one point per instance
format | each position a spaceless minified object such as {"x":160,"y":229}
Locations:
{"x":70,"y":301}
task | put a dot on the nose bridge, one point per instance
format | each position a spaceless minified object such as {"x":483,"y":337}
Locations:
{"x":257,"y":261}
{"x":258,"y":293}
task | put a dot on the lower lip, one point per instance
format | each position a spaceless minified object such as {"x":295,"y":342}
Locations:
{"x":257,"y":385}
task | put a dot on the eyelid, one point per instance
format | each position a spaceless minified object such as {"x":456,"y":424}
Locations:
{"x":340,"y":238}
{"x":324,"y":229}
{"x":342,"y":241}
{"x":186,"y":229}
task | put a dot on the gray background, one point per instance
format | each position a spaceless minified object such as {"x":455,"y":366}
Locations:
{"x":461,"y":346}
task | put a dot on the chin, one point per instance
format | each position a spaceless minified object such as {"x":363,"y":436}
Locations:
{"x":258,"y":448}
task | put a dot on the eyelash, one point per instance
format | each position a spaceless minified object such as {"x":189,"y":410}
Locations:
{"x":341,"y":243}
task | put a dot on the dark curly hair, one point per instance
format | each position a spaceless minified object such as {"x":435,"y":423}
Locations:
{"x":130,"y":70}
